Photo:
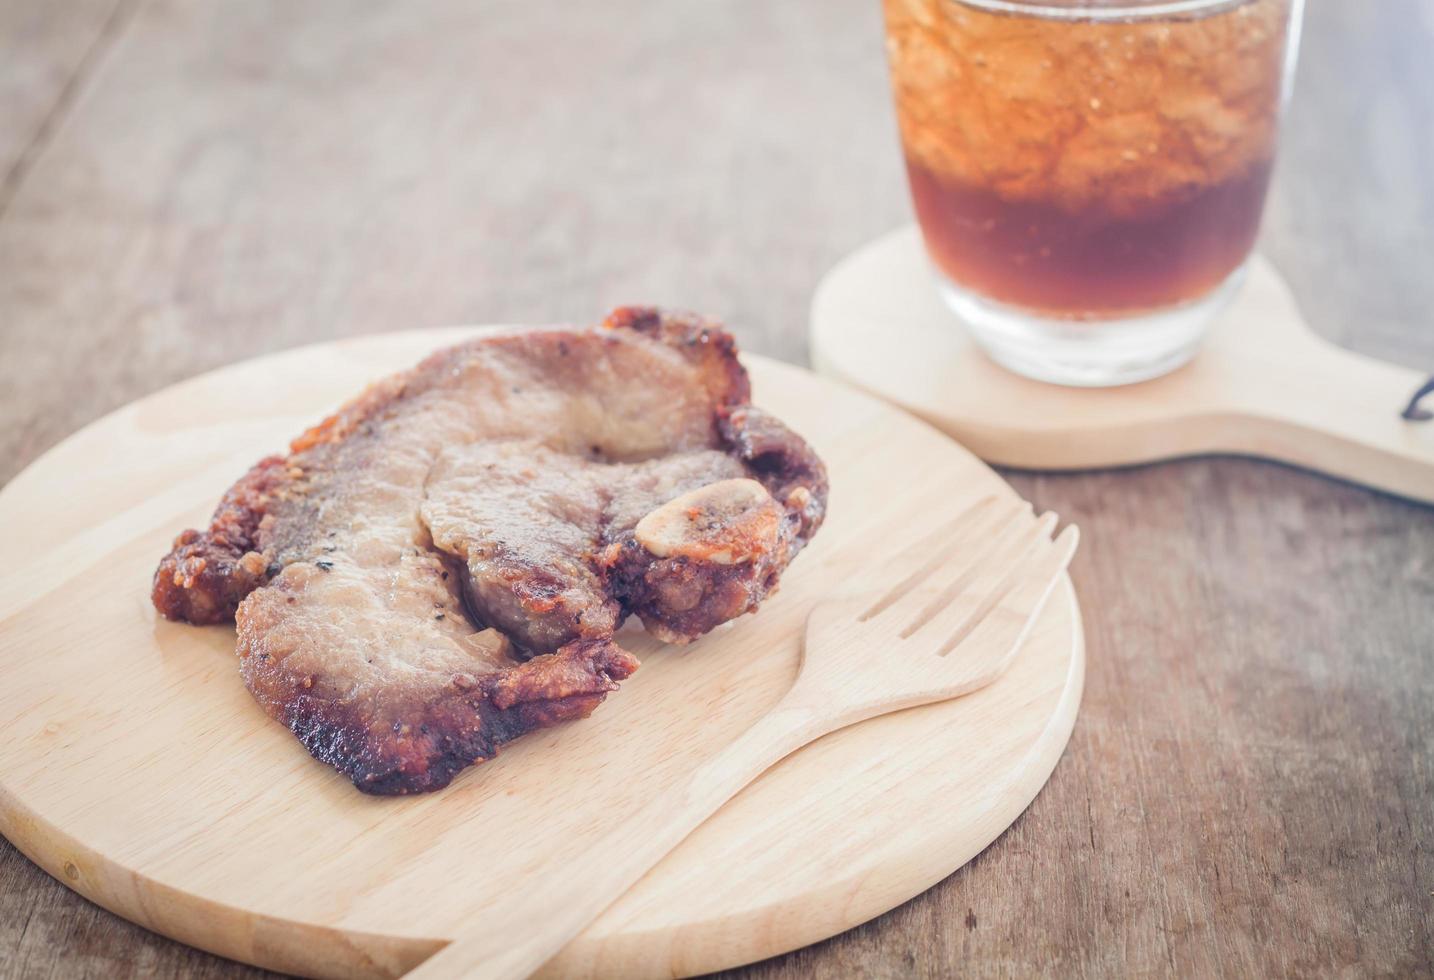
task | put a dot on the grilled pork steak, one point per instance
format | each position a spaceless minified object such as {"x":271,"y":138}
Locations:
{"x":440,"y":566}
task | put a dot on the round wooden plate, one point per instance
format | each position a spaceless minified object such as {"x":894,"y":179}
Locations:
{"x":136,"y":769}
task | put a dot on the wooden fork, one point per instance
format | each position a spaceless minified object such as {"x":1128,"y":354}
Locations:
{"x":949,"y":626}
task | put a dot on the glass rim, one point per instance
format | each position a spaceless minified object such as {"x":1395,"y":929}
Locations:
{"x":1104,"y":10}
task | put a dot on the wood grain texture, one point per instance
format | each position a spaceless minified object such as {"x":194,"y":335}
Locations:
{"x":1249,"y":786}
{"x":1262,"y":384}
{"x":936,"y":645}
{"x":151,"y":787}
{"x":49,"y":52}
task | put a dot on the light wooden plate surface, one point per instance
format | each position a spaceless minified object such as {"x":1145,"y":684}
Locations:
{"x":1263,"y":385}
{"x":135,"y":768}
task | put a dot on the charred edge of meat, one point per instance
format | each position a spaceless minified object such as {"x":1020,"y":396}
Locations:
{"x":266,"y":519}
{"x":678,"y":599}
{"x":701,"y":340}
{"x":784,"y":463}
{"x":454,"y":732}
{"x":207,"y":574}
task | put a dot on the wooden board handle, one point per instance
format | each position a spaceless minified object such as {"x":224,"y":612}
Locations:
{"x":1415,"y":410}
{"x":1346,"y":415}
{"x":1263,"y":384}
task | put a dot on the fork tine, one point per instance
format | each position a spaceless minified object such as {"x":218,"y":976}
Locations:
{"x":977,"y":589}
{"x":979,"y":517}
{"x":1002,"y":631}
{"x":964,"y":610}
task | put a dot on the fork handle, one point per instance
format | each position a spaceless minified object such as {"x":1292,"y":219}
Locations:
{"x":544,"y":919}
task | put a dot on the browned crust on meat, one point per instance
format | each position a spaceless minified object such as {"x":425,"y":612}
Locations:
{"x":401,"y":747}
{"x":207,"y":574}
{"x":679,"y":599}
{"x":408,"y":740}
{"x":702,"y":341}
{"x":785,"y":464}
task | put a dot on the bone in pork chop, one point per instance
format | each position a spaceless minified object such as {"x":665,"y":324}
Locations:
{"x":440,"y":566}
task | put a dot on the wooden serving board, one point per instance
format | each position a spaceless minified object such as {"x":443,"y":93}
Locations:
{"x":1263,"y":385}
{"x":136,"y":769}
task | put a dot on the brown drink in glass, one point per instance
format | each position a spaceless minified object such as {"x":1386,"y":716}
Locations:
{"x":1088,"y":176}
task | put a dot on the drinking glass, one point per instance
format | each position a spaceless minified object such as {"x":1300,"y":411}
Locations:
{"x":1089,"y":176}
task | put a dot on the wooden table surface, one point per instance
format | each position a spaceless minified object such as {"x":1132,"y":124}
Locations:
{"x":1250,"y":785}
